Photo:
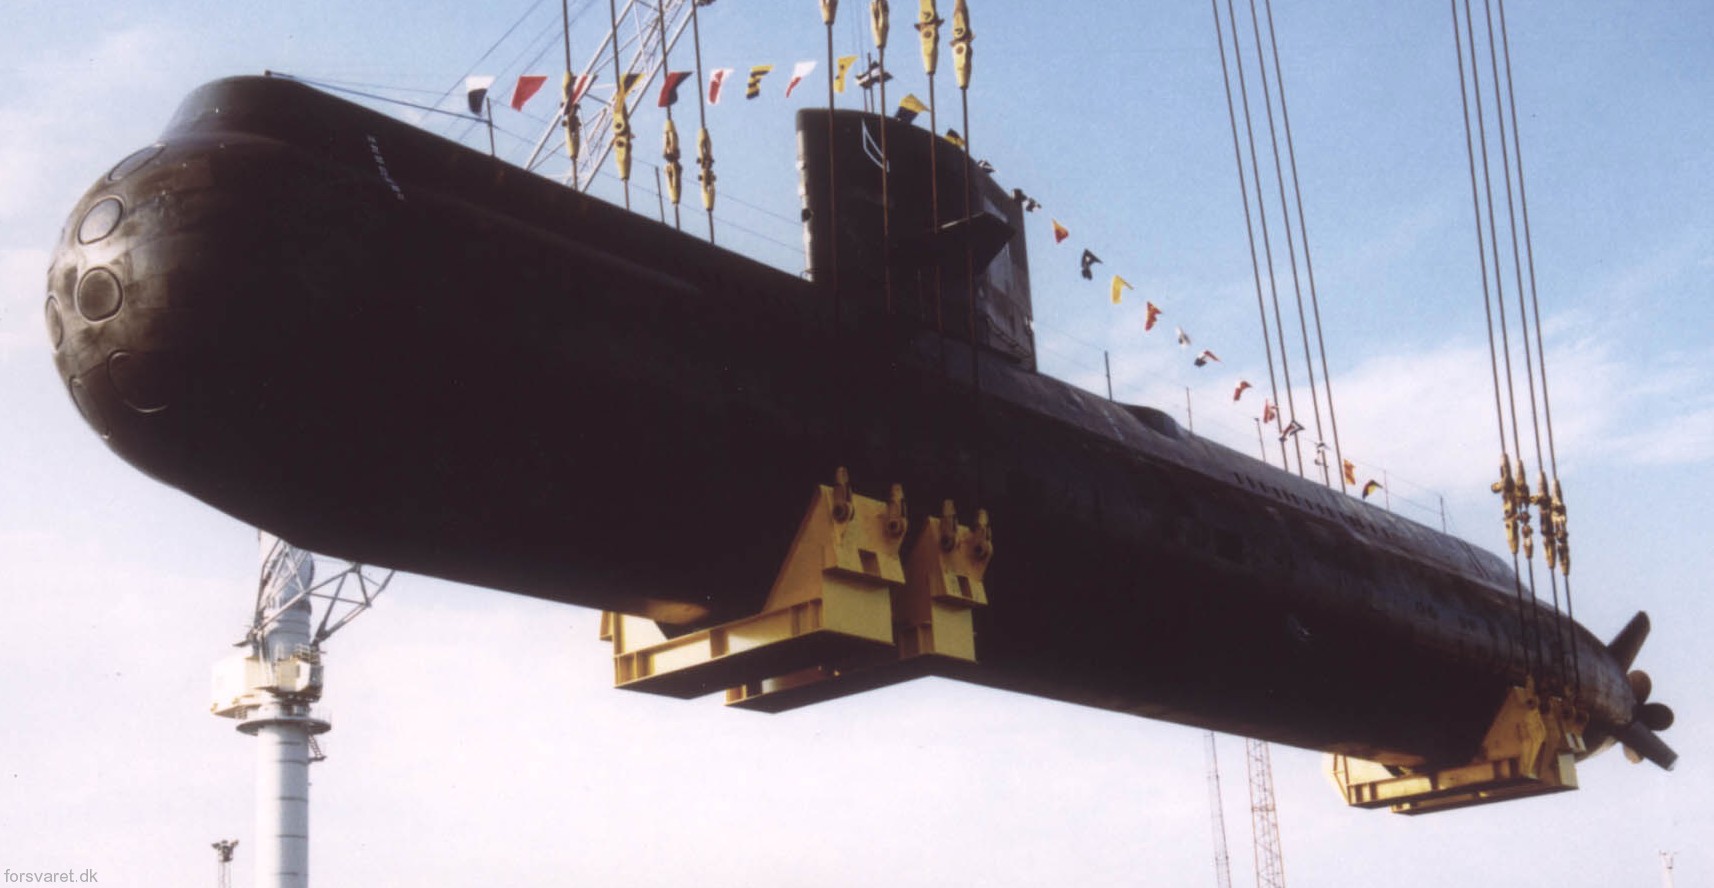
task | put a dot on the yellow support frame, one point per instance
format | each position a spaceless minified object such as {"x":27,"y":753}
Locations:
{"x":1530,"y":750}
{"x":831,"y":599}
{"x":844,"y":615}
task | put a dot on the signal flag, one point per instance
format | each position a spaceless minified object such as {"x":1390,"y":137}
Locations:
{"x":476,"y":90}
{"x":669,"y":88}
{"x":1089,"y":259}
{"x":754,"y":88}
{"x":799,"y":72}
{"x":909,"y":107}
{"x":841,"y":66}
{"x":716,"y":79}
{"x":1118,"y":284}
{"x":528,"y":85}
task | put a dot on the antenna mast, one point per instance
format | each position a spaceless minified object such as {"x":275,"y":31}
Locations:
{"x":1222,"y":860}
{"x":223,"y":866}
{"x":271,"y":690}
{"x":1264,"y":819}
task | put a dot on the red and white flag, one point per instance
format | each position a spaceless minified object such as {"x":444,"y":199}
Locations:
{"x":528,"y":85}
{"x":799,"y":72}
{"x":715,"y":81}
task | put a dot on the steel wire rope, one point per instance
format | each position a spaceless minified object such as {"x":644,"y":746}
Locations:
{"x":329,"y":85}
{"x":546,"y":35}
{"x":618,"y":85}
{"x":1267,"y":241}
{"x":702,"y":119}
{"x":1523,"y":320}
{"x":1487,"y":296}
{"x":1541,"y":346}
{"x":1303,"y":230}
{"x":1249,"y":228}
{"x":1521,"y":481}
{"x":490,"y":50}
{"x":880,"y":23}
{"x":666,"y":77}
{"x":1291,"y":245}
{"x":969,"y":258}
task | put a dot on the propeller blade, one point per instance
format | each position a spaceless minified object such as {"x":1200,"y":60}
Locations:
{"x":1633,"y":756}
{"x":1641,"y":685}
{"x":1657,"y":716}
{"x":1637,"y":736}
{"x":1625,"y":645}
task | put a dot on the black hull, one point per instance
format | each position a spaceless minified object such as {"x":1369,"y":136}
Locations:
{"x":386,"y":347}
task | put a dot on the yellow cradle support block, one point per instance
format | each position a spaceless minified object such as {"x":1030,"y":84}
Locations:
{"x":831,"y":602}
{"x":932,"y":626}
{"x":943,"y":584}
{"x":1530,"y":750}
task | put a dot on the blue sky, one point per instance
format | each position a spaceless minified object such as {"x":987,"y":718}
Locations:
{"x":476,"y":737}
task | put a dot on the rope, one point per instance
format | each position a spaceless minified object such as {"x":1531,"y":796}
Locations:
{"x":878,"y":13}
{"x":488,"y":52}
{"x":1309,"y":266}
{"x":666,"y":68}
{"x":832,"y":190}
{"x":1541,"y":357}
{"x":331,"y":85}
{"x":1523,"y":316}
{"x":1487,"y":298}
{"x":618,"y":82}
{"x":701,"y":105}
{"x":1291,"y":246}
{"x":1249,"y":229}
{"x":1267,"y":241}
{"x":969,"y":260}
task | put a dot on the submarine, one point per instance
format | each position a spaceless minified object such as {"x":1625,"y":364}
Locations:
{"x":389,"y":348}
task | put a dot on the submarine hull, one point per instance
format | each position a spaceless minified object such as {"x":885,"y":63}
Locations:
{"x":386,"y":347}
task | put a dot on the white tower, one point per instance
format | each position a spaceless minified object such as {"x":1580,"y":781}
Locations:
{"x":271,"y":691}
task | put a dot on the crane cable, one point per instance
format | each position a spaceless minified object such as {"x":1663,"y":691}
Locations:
{"x":669,"y":149}
{"x":1249,"y":227}
{"x":1557,"y":538}
{"x":1508,"y":485}
{"x":1309,"y":266}
{"x":1267,"y":241}
{"x":963,"y":56}
{"x":1290,"y":242}
{"x":879,"y":14}
{"x":704,"y":144}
